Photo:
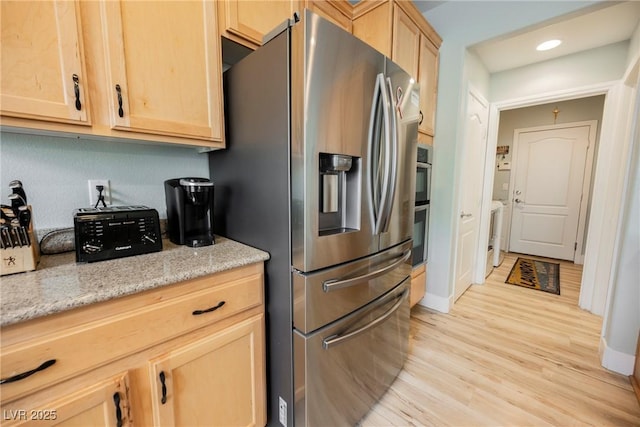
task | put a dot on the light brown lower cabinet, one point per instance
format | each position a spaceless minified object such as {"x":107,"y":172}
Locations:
{"x":216,"y":378}
{"x":418,"y":284}
{"x":208,"y":368}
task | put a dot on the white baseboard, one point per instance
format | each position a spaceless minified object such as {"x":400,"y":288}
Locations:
{"x":614,"y":360}
{"x":436,"y":302}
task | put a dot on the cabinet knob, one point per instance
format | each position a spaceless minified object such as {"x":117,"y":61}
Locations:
{"x":119,"y":92}
{"x":76,"y":91}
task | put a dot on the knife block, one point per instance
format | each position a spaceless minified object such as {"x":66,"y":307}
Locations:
{"x":20,"y":258}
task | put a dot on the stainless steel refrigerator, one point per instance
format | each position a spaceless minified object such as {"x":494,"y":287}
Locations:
{"x":319,"y":171}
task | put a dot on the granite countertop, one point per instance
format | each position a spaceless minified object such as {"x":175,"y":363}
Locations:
{"x":60,"y":284}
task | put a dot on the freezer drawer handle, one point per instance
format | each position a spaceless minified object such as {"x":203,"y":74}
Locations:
{"x":334,"y":340}
{"x":210,"y":309}
{"x":333,"y":284}
{"x":24,"y":375}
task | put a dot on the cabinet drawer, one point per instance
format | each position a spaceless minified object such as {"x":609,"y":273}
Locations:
{"x":83,"y":346}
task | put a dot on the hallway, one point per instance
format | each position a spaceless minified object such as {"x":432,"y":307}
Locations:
{"x":505,"y":356}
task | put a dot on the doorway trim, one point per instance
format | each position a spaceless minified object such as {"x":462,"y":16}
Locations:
{"x":578,"y":257}
{"x":592,"y":292}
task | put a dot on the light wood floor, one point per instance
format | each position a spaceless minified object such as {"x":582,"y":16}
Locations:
{"x":507,"y":356}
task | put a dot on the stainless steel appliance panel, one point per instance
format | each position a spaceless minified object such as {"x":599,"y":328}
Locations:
{"x":343,"y":369}
{"x":420,"y":235}
{"x":325,"y":296}
{"x":423,"y":175}
{"x":253,"y":196}
{"x":404,"y":96}
{"x":332,"y":88}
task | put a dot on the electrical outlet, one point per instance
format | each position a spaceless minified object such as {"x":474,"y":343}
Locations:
{"x":282,"y":411}
{"x":93,"y":192}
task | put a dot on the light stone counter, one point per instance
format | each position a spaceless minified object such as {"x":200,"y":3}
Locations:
{"x":60,"y":284}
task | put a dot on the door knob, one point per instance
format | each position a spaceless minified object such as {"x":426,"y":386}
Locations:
{"x":465,"y":215}
{"x":519,"y":201}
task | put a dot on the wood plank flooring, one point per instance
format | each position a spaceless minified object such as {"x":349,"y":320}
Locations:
{"x":507,"y":356}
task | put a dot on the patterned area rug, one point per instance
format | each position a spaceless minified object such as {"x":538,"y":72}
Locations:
{"x":534,"y":274}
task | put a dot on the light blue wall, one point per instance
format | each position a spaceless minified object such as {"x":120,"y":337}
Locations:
{"x":55,"y":170}
{"x":603,"y":64}
{"x":462,"y":24}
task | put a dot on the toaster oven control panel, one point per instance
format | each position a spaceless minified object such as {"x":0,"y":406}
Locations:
{"x":115,"y":232}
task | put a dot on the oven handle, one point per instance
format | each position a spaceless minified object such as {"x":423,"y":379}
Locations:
{"x":334,"y":340}
{"x":334,"y":284}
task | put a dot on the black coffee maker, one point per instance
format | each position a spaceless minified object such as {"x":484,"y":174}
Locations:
{"x":190,"y":211}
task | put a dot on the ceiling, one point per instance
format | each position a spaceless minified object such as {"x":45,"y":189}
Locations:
{"x":609,"y":22}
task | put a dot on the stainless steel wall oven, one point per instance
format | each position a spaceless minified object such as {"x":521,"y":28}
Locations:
{"x":420,"y":250}
{"x":423,"y":176}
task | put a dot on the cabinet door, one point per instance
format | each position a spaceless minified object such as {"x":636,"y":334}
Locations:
{"x":406,"y":42}
{"x":164,"y":67}
{"x":105,"y":403}
{"x":329,"y":11}
{"x":250,"y":20}
{"x":428,"y":79}
{"x":43,"y":75}
{"x":374,"y":28}
{"x":215,"y":381}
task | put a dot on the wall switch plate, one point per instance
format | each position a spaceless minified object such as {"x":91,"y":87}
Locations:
{"x":93,"y":192}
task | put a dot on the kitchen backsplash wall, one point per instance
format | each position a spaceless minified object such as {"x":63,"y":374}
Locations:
{"x":55,"y":171}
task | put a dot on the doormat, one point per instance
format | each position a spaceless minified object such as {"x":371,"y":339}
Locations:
{"x":534,"y":274}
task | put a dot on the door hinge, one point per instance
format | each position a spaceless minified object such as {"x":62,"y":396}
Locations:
{"x":575,"y":246}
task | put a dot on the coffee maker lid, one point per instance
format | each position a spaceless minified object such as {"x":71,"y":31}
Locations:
{"x":195,"y":182}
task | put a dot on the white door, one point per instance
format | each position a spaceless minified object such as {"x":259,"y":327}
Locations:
{"x":475,"y":143}
{"x":548,"y":187}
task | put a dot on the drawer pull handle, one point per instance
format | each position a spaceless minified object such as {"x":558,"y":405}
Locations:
{"x":209,"y":310}
{"x":24,"y":375}
{"x":421,"y":118}
{"x":119,"y":92}
{"x":116,"y":400}
{"x":164,"y":388}
{"x":76,"y":91}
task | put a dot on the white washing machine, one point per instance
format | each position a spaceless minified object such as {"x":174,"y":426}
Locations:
{"x":495,"y":255}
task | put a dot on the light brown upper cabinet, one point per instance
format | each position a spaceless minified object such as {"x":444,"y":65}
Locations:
{"x":406,"y":42}
{"x":248,"y":21}
{"x":43,"y":70}
{"x":164,"y":68}
{"x":124,"y":69}
{"x":428,"y":79}
{"x":336,"y":11}
{"x":372,"y":23}
{"x":398,"y":29}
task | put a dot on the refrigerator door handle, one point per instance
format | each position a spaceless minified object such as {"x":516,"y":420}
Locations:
{"x":384,"y":194}
{"x":334,"y":340}
{"x":373,"y":176}
{"x":334,"y":284}
{"x":392,"y":163}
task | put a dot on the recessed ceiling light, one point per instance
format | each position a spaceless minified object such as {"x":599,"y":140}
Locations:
{"x":549,"y":44}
